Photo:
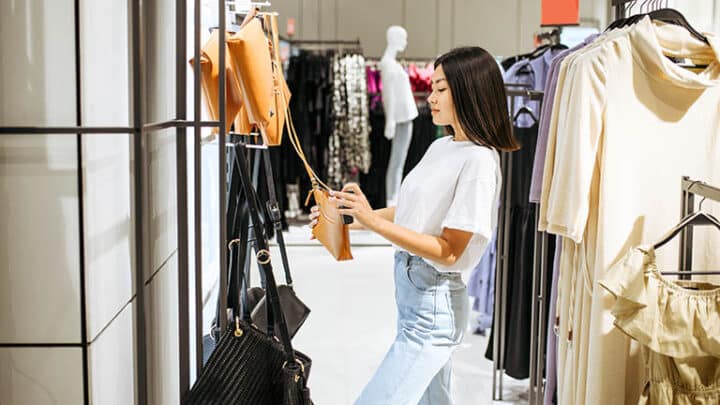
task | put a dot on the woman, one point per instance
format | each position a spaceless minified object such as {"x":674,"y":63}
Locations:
{"x":443,"y":221}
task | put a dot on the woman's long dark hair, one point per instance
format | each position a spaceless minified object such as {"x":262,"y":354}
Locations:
{"x":478,"y":92}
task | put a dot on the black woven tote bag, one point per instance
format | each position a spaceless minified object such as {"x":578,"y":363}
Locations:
{"x":248,"y":367}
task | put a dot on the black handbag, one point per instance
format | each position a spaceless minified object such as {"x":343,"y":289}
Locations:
{"x":295,"y":311}
{"x":250,"y":365}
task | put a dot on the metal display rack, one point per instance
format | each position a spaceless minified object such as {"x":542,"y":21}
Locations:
{"x":690,"y":189}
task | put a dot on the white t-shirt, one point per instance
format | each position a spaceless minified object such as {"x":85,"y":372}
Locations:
{"x":456,"y":185}
{"x":398,"y":99}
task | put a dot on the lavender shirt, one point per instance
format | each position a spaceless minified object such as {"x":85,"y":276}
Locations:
{"x":550,"y":86}
{"x":531,"y":72}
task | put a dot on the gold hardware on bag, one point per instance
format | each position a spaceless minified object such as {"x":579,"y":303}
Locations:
{"x":238,"y":331}
{"x":302,"y":368}
{"x":232,"y":242}
{"x":264,"y":253}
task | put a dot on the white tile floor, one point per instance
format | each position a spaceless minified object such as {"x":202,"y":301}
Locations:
{"x":353,"y":319}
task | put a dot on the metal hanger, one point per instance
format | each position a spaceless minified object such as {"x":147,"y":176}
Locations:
{"x":673,"y":16}
{"x":526,"y":110}
{"x":694,"y":219}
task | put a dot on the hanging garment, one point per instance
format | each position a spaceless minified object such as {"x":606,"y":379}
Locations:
{"x":550,"y":393}
{"x":374,"y":87}
{"x":532,"y":73}
{"x":534,"y":196}
{"x":481,"y":287}
{"x":551,"y":80}
{"x":308,"y":77}
{"x":349,"y":145}
{"x":616,"y":97}
{"x":420,"y":77}
{"x":676,"y":322}
{"x":521,"y":231}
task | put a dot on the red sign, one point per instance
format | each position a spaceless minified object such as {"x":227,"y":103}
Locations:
{"x":560,"y":12}
{"x":290,"y":27}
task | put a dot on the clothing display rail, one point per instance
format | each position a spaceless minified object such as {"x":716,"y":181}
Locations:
{"x":323,"y":42}
{"x":690,"y":189}
{"x":503,"y":243}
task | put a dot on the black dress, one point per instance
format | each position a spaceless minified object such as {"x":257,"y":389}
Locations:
{"x":520,"y":253}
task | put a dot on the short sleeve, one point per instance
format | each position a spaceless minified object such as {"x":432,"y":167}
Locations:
{"x":572,"y":149}
{"x":472,"y":207}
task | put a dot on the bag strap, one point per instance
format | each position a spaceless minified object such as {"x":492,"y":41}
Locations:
{"x":264,"y":263}
{"x":273,"y":208}
{"x":272,"y":23}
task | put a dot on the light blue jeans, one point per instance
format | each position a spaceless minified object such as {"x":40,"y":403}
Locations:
{"x":432,"y":318}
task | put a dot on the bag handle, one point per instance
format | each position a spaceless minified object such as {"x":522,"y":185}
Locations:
{"x":275,"y":314}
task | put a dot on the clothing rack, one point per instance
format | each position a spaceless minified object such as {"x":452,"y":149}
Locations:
{"x":331,"y":42}
{"x":339,"y":44}
{"x":513,"y":90}
{"x":690,"y":189}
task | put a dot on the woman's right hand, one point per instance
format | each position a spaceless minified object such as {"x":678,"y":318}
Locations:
{"x":314,"y":215}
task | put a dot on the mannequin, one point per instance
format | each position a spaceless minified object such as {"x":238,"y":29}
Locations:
{"x":400,"y":109}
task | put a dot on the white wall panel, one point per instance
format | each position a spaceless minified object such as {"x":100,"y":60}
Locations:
{"x":104,"y":57}
{"x":37,"y":68}
{"x":162,"y":322}
{"x":108,"y":228}
{"x":444,"y":15}
{"x":310,"y":28}
{"x":328,"y":23}
{"x":160,"y":60}
{"x":421,"y":24}
{"x":530,"y":14}
{"x":289,"y":9}
{"x":163,"y":197}
{"x":39,"y":239}
{"x":41,"y":376}
{"x":492,"y":25}
{"x":112,"y":361}
{"x":368,"y":20}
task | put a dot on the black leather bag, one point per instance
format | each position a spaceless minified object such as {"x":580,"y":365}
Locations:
{"x":250,"y":365}
{"x":295,"y":311}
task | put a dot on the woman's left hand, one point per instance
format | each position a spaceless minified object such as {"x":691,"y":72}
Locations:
{"x":355,"y":203}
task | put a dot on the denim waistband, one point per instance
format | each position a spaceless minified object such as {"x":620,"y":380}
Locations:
{"x":410,"y":258}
